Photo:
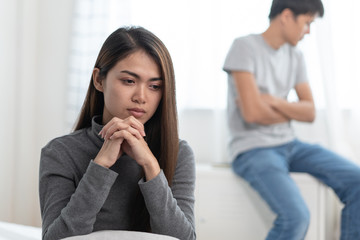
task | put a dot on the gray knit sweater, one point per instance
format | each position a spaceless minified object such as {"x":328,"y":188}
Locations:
{"x":78,"y":196}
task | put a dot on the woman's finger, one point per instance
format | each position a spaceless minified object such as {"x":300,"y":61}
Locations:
{"x":135,"y":123}
{"x":118,"y":126}
{"x":110,"y":151}
{"x":123,"y":134}
{"x":106,"y":126}
{"x":115,"y":124}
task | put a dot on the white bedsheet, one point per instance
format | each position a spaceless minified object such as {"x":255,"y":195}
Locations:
{"x":12,"y":231}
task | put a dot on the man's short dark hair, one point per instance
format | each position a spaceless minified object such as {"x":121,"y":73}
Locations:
{"x":297,"y":7}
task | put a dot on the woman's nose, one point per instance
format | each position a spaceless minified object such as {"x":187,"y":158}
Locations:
{"x":139,"y":95}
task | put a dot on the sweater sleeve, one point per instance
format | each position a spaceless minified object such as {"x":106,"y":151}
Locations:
{"x":171,"y":209}
{"x":67,"y":209}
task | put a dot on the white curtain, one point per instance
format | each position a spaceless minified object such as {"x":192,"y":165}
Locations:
{"x":33,"y":61}
{"x":90,"y":23}
{"x":332,"y":54}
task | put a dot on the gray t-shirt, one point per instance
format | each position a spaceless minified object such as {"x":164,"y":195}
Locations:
{"x":276,"y":73}
{"x":78,"y":196}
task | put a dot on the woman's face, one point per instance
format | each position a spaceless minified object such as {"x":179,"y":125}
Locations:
{"x":133,"y":87}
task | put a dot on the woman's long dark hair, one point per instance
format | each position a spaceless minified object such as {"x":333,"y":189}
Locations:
{"x":161,"y":130}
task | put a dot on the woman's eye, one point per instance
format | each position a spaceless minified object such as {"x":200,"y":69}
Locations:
{"x":128,"y":81}
{"x":155,"y":87}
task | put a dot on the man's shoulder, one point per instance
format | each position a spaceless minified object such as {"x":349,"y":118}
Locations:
{"x":248,"y":41}
{"x":247,"y":38}
{"x":292,"y":50}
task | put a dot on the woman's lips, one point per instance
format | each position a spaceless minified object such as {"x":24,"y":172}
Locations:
{"x":137,"y":112}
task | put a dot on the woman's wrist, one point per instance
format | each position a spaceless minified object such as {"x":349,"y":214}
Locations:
{"x":151,"y":169}
{"x":101,"y":162}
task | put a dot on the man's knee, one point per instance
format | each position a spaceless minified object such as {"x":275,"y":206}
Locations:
{"x":296,"y":221}
{"x":301,"y":220}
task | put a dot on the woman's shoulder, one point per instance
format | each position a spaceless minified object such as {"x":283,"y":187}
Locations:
{"x":66,"y":141}
{"x":186,"y":154}
{"x":61,"y":153}
{"x":185,"y":166}
{"x":184,"y":147}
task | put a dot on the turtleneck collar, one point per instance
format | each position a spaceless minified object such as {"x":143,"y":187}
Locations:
{"x":93,"y":131}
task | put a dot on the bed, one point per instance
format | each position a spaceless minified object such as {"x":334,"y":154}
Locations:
{"x":12,"y":231}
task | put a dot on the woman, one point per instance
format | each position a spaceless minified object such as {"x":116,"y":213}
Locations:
{"x":123,"y":168}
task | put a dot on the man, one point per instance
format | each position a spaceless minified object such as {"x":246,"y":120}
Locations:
{"x":262,"y":69}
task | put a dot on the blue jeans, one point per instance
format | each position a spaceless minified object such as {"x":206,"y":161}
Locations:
{"x":267,"y":171}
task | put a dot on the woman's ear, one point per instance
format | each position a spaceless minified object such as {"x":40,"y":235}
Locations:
{"x":97,"y":81}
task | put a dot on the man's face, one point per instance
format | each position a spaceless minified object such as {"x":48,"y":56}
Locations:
{"x":297,"y":27}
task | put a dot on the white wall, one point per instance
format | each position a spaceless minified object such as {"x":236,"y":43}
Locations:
{"x":207,"y":133}
{"x":33,"y":62}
